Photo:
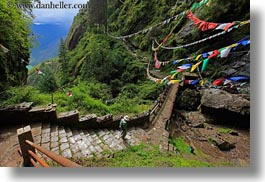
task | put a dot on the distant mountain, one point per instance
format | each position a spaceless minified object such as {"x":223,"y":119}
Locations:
{"x":47,"y":40}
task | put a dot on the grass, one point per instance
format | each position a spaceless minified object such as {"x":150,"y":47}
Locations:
{"x":224,"y":130}
{"x":142,"y":156}
{"x":85,"y":99}
{"x":180,"y":144}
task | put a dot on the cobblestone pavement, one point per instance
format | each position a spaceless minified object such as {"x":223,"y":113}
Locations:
{"x":68,"y":142}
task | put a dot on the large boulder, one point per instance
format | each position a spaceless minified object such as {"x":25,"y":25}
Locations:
{"x":188,"y":100}
{"x":219,"y":99}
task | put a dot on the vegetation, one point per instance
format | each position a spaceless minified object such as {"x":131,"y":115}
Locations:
{"x":181,"y":145}
{"x":87,"y":97}
{"x":94,"y":66}
{"x":142,"y":156}
{"x":16,"y":37}
{"x":224,"y":130}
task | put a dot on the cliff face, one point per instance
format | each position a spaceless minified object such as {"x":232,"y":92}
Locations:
{"x":77,"y":30}
{"x":15,"y":43}
{"x":90,"y":45}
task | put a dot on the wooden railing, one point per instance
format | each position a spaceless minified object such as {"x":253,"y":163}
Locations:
{"x":30,"y":157}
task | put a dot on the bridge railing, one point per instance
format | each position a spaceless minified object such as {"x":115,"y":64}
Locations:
{"x":31,"y":158}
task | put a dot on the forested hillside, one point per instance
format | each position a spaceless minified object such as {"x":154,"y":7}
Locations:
{"x":113,"y":42}
{"x":15,"y":42}
{"x":106,"y":53}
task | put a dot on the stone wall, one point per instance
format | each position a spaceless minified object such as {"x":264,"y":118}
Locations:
{"x":20,"y":115}
{"x":24,"y":113}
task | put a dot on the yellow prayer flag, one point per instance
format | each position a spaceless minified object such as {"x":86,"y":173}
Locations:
{"x":195,"y":66}
{"x":173,"y":76}
{"x":245,"y":22}
{"x":198,"y":57}
{"x":202,"y":82}
{"x":174,"y":81}
{"x":234,"y":45}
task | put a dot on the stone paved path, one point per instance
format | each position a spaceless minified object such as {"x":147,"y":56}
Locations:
{"x":76,"y":143}
{"x":68,"y":142}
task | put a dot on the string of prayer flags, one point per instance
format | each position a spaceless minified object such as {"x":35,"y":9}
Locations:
{"x":221,"y":52}
{"x":203,"y":25}
{"x":157,"y":80}
{"x":208,"y":38}
{"x":4,"y":49}
{"x":194,"y":6}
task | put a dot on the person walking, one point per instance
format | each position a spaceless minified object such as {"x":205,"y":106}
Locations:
{"x":123,"y":126}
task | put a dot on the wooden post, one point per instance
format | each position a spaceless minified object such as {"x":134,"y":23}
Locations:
{"x":23,"y":135}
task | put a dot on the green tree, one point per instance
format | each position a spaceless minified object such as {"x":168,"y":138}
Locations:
{"x":62,"y":53}
{"x":48,"y":84}
{"x":98,"y":12}
{"x":17,"y":38}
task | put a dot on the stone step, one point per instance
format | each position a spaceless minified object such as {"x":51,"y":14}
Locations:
{"x":78,"y":143}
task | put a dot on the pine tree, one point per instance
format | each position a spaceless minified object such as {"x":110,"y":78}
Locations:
{"x":48,"y":84}
{"x":62,"y":53}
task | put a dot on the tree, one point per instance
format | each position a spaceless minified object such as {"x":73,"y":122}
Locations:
{"x":48,"y":84}
{"x":98,"y":12}
{"x":62,"y":53}
{"x":17,"y":38}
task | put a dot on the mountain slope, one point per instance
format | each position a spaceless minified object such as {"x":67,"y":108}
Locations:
{"x":133,"y":16}
{"x":15,"y":42}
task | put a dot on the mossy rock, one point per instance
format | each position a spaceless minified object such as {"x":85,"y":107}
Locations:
{"x":188,"y":100}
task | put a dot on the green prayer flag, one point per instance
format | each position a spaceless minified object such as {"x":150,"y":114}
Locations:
{"x":205,"y":64}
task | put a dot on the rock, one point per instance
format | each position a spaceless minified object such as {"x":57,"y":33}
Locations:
{"x":188,"y":100}
{"x":219,"y":99}
{"x":226,"y":146}
{"x":221,"y":144}
{"x":198,"y":125}
{"x":234,"y":133}
{"x":228,"y":72}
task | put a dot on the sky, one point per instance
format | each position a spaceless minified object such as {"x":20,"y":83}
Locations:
{"x":56,"y":16}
